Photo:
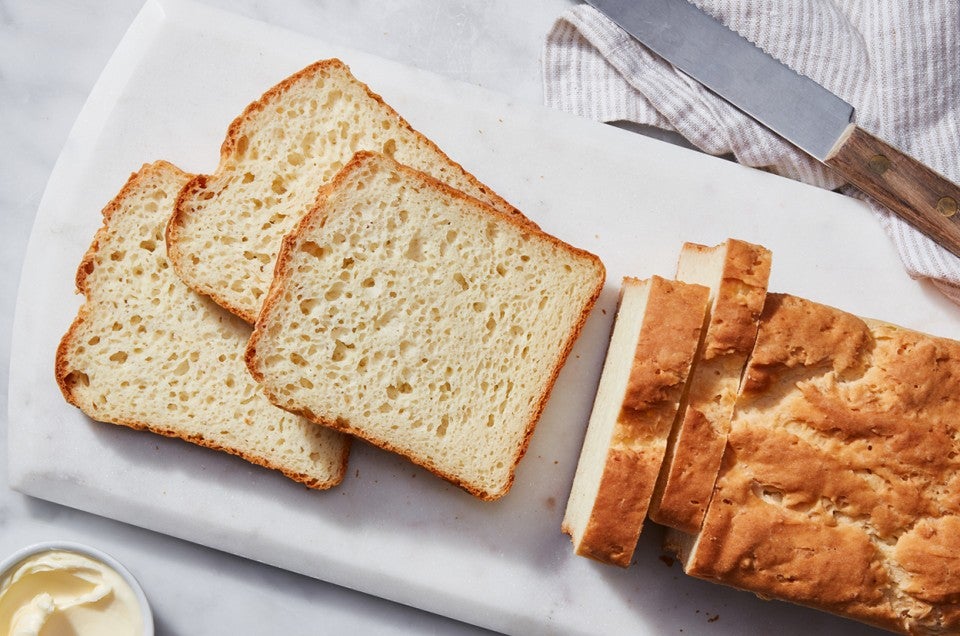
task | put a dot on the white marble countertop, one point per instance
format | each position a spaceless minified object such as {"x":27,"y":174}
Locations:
{"x":51,"y":54}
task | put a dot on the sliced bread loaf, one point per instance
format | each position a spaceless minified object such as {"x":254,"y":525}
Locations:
{"x":655,"y":336}
{"x":147,"y":352}
{"x":737,"y":274}
{"x":415,"y":317}
{"x":840,"y":485}
{"x":226,"y":230}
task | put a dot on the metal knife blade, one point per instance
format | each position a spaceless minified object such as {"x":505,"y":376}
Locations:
{"x":794,"y":107}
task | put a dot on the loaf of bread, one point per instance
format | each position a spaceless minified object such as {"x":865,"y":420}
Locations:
{"x":411,"y":315}
{"x":655,"y":336}
{"x":737,"y":274}
{"x":147,"y":352}
{"x":226,"y":230}
{"x":840,"y":484}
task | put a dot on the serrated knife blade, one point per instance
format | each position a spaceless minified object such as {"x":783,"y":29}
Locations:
{"x":794,"y":107}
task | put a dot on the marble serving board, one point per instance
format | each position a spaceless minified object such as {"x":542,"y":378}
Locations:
{"x":180,"y":75}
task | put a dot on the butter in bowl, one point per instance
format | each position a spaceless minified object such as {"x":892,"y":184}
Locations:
{"x":68,"y":588}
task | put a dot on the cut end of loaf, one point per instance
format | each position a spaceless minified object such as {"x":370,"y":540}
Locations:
{"x":147,"y":352}
{"x":408,"y":314}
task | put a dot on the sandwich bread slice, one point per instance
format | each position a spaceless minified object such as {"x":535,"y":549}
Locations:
{"x":226,"y":230}
{"x":655,"y":336}
{"x":413,"y":316}
{"x":147,"y":352}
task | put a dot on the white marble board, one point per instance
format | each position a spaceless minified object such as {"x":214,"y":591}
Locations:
{"x":178,"y":78}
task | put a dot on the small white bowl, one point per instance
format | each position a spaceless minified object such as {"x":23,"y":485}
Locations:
{"x":98,"y":555}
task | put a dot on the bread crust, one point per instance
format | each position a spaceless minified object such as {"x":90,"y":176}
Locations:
{"x":232,"y":146}
{"x":282,"y":273}
{"x":612,"y":532}
{"x":661,"y":363}
{"x":62,"y":366}
{"x":743,"y":288}
{"x":839,"y":487}
{"x":696,"y":445}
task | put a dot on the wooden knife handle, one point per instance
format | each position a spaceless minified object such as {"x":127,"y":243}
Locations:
{"x":925,"y":198}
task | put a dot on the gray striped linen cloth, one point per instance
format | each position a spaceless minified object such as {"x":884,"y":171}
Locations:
{"x":896,"y":61}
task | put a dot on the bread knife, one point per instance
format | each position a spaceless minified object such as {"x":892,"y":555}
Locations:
{"x":794,"y":107}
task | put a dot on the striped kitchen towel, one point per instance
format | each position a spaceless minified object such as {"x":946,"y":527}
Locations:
{"x":897,"y":62}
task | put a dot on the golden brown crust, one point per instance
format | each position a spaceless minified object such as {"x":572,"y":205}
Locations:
{"x":662,"y":359}
{"x":764,"y":549}
{"x":696,"y":445}
{"x":682,"y":500}
{"x":840,"y":485}
{"x":799,"y":334}
{"x":663,"y":355}
{"x":66,"y":381}
{"x":928,"y":554}
{"x":740,"y":298}
{"x":626,"y":471}
{"x":316,"y":216}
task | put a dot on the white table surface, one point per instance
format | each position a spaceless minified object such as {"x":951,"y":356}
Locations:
{"x":51,"y":53}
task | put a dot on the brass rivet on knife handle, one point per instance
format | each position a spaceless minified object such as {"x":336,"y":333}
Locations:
{"x":878,"y":164}
{"x":926,"y":199}
{"x":947,"y":206}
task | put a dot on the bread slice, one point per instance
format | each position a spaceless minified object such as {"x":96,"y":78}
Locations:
{"x":840,"y":486}
{"x":147,"y":352}
{"x":224,"y":236}
{"x":737,"y":274}
{"x":655,"y":337}
{"x":408,"y":314}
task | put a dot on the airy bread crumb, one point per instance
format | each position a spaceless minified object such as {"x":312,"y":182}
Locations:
{"x":406,"y":313}
{"x":227,"y":227}
{"x":147,"y":352}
